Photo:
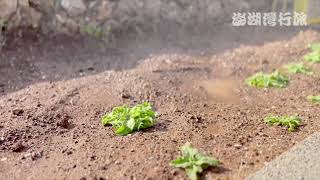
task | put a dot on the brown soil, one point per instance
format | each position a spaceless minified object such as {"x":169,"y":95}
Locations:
{"x":50,"y":116}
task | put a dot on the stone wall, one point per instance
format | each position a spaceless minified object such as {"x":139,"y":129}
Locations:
{"x":99,"y":18}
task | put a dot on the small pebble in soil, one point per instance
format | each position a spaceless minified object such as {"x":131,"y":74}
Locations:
{"x":174,"y":172}
{"x":103,"y":168}
{"x":117,"y":162}
{"x":93,"y":157}
{"x":237,"y":146}
{"x":18,"y":147}
{"x":64,"y":122}
{"x":197,"y":119}
{"x":18,"y":112}
{"x":25,"y":156}
{"x":125,"y":95}
{"x":36,"y":155}
{"x":90,"y":68}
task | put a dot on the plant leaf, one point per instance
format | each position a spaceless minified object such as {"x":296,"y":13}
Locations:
{"x":314,"y":55}
{"x":291,"y":122}
{"x":193,"y":161}
{"x":314,"y":99}
{"x":126,"y":120}
{"x":181,"y":162}
{"x":298,"y":68}
{"x":315,"y":46}
{"x":123,"y":130}
{"x":261,"y":80}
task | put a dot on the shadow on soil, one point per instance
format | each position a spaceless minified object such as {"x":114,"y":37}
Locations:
{"x":30,"y":57}
{"x":217,"y":170}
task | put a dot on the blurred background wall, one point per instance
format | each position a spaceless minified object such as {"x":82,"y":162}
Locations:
{"x":100,"y":18}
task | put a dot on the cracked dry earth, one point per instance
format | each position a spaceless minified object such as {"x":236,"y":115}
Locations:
{"x":52,"y":129}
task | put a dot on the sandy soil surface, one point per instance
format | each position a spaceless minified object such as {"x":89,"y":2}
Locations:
{"x":54,"y":91}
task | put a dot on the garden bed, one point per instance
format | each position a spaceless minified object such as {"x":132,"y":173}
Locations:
{"x":50,"y":127}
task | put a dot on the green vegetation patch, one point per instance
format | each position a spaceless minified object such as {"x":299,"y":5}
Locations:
{"x":314,"y":55}
{"x":126,"y":120}
{"x":314,"y":99}
{"x":291,"y":122}
{"x":94,"y":31}
{"x":262,"y":80}
{"x":193,"y":161}
{"x":296,"y":68}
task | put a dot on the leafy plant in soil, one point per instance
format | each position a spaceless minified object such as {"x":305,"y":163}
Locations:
{"x":314,"y":55}
{"x":291,"y":122}
{"x":126,"y":120}
{"x":193,"y":161}
{"x":262,"y":80}
{"x":314,"y":99}
{"x":296,"y":68}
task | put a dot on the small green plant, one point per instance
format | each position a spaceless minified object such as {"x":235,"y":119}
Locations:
{"x":126,"y":120}
{"x":262,"y":80}
{"x":314,"y":99}
{"x":2,"y":24}
{"x":291,"y":122}
{"x":314,"y":55}
{"x":96,"y":32}
{"x":296,"y":68}
{"x":193,"y":161}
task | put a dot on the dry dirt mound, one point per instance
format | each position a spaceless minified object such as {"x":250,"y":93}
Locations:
{"x":53,"y":130}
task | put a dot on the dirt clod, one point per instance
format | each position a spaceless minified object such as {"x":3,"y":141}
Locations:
{"x":18,"y":112}
{"x":125,"y":95}
{"x":18,"y":147}
{"x":237,"y":146}
{"x":63,"y":121}
{"x":36,"y":155}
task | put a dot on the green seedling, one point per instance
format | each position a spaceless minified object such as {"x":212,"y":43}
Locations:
{"x":93,"y":31}
{"x":315,"y":46}
{"x":193,"y":161}
{"x":126,"y":120}
{"x":262,"y":80}
{"x":296,"y":68}
{"x":314,"y":99}
{"x":2,"y":24}
{"x":291,"y":122}
{"x":314,"y":55}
